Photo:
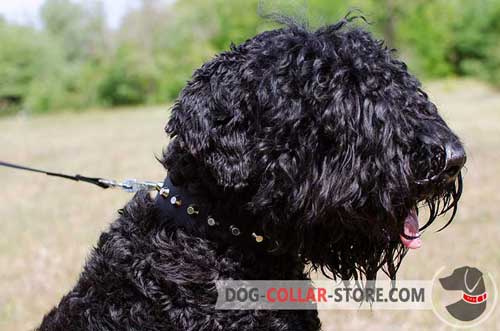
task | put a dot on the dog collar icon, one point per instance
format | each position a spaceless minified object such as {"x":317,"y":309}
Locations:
{"x":475,"y":299}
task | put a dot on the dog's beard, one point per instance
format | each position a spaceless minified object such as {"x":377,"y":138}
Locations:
{"x":437,"y":205}
{"x":361,"y":259}
{"x":443,"y":201}
{"x":361,"y":250}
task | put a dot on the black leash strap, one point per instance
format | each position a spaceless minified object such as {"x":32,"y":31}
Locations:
{"x":128,"y":185}
{"x":102,"y":183}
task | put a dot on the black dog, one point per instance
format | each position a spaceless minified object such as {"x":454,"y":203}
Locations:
{"x":295,"y":148}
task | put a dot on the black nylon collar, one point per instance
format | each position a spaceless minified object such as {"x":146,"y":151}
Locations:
{"x":194,"y":214}
{"x":178,"y":206}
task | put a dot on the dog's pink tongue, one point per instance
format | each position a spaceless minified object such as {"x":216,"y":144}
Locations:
{"x":411,"y":230}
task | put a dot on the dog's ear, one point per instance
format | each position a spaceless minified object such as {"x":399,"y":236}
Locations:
{"x":211,"y":121}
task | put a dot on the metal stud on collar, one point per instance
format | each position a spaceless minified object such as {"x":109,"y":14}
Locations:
{"x":258,"y":238}
{"x":192,"y":210}
{"x":164,"y":192}
{"x":234,"y":230}
{"x":211,"y":221}
{"x":176,"y":201}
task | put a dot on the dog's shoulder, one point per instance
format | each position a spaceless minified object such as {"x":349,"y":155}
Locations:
{"x":144,"y":274}
{"x":141,"y":269}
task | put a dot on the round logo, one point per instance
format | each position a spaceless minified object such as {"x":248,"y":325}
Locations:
{"x":463,"y":297}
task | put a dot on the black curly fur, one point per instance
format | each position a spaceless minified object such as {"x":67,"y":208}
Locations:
{"x":321,"y":139}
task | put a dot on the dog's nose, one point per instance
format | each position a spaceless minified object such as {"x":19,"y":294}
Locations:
{"x":455,"y":160}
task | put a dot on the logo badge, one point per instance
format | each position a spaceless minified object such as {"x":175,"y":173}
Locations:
{"x":464,"y":297}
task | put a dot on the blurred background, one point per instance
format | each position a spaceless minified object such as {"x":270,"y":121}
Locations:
{"x":74,"y":55}
{"x":85,"y":87}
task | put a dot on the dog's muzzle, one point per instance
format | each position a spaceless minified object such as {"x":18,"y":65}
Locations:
{"x":455,"y":160}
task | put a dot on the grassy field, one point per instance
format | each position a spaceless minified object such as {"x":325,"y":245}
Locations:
{"x":48,"y":226}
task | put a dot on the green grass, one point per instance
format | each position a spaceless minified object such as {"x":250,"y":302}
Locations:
{"x":48,"y":226}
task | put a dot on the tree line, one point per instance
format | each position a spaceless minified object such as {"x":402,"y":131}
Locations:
{"x":73,"y":60}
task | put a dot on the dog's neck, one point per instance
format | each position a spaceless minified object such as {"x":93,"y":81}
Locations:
{"x":202,"y":214}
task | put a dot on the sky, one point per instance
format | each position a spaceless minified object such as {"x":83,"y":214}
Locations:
{"x":26,"y":11}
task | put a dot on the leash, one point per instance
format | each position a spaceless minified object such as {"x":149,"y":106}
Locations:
{"x":172,"y":202}
{"x":128,"y":185}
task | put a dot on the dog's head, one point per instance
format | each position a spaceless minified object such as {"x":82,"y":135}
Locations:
{"x":327,"y":138}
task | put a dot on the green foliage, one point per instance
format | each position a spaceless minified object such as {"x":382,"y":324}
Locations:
{"x":233,"y":23}
{"x":453,"y":37}
{"x":431,"y":42}
{"x":127,"y":80}
{"x":476,"y":50}
{"x":28,"y":60}
{"x":80,"y":27}
{"x":75,"y":61}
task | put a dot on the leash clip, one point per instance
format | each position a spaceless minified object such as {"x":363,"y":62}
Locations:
{"x":132,"y":185}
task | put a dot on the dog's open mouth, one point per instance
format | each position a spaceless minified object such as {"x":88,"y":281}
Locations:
{"x":411,"y":236}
